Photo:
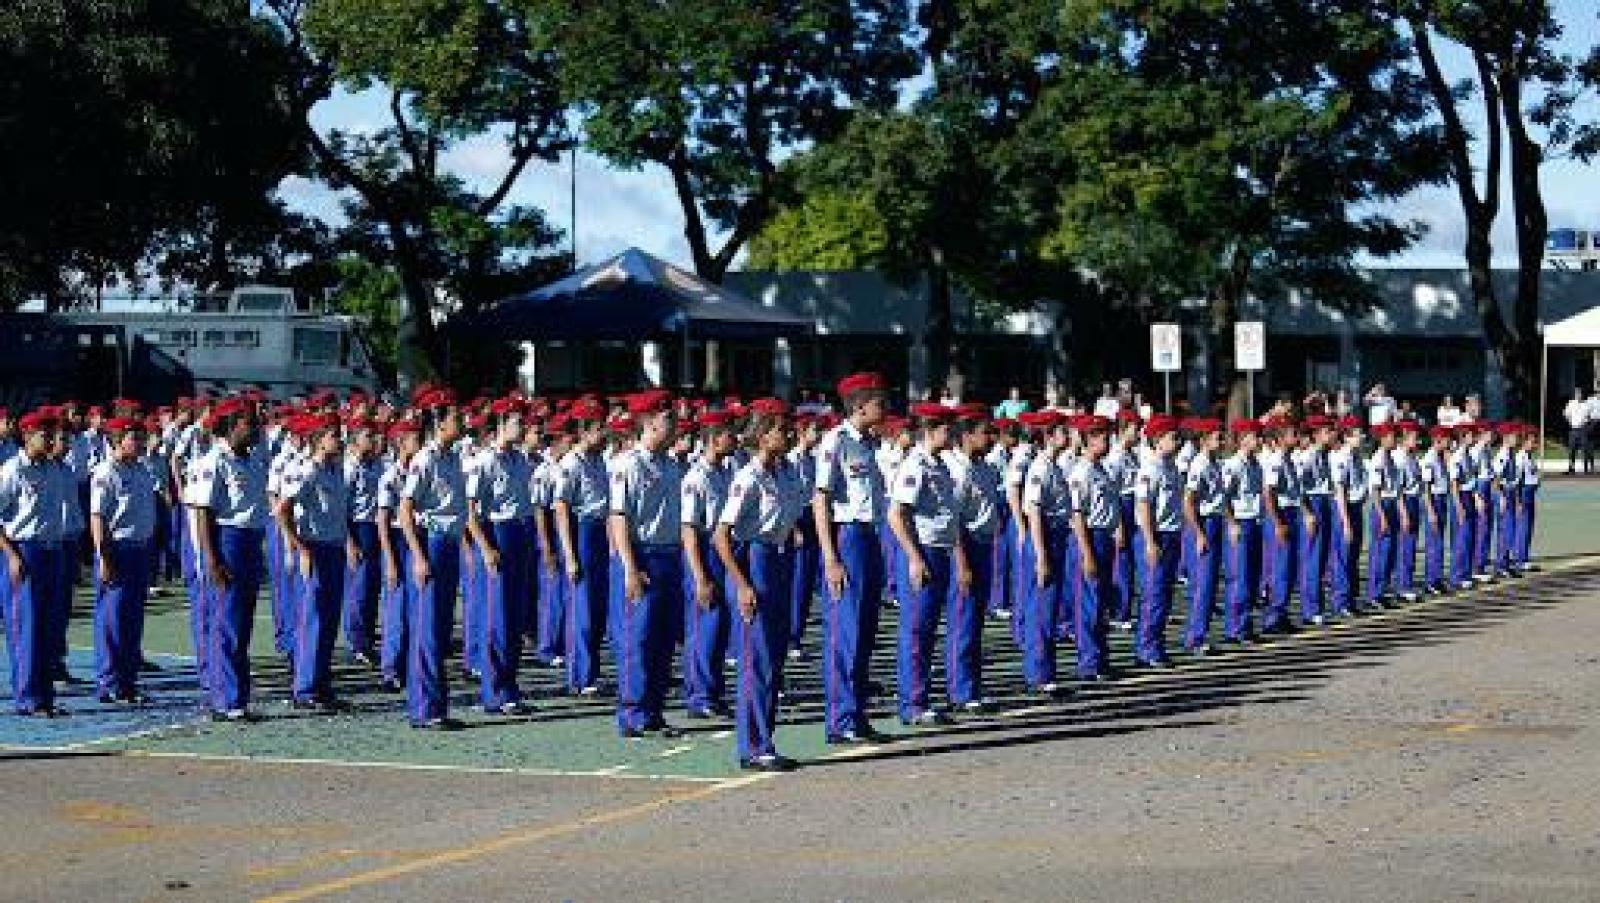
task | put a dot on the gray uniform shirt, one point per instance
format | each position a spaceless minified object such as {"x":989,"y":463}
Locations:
{"x":924,"y":485}
{"x":764,"y":505}
{"x":647,"y":490}
{"x":1160,"y":484}
{"x":321,"y":500}
{"x":233,"y":486}
{"x":30,"y":500}
{"x":848,"y":471}
{"x":437,"y":488}
{"x":125,"y":496}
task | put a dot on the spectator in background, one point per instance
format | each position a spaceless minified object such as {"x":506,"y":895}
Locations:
{"x":1380,"y":404}
{"x":1316,"y":404}
{"x":948,"y":397}
{"x":1447,"y":414}
{"x":1012,"y":406}
{"x":1593,"y":405}
{"x":1145,"y":408}
{"x":1406,"y":413}
{"x":1577,"y":414}
{"x":1107,"y":405}
{"x":1341,"y":404}
{"x":1472,"y":412}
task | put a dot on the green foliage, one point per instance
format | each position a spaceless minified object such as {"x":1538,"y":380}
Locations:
{"x":133,"y":129}
{"x":371,"y":294}
{"x":826,"y":232}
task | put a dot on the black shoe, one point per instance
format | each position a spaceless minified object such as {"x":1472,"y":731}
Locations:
{"x":848,"y":738}
{"x":135,"y":697}
{"x":1096,"y":678}
{"x":390,"y":685}
{"x":147,"y":666}
{"x":1284,"y":629}
{"x":699,"y":714}
{"x":664,"y":730}
{"x":107,"y":699}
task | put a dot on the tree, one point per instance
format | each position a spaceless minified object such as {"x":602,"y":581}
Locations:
{"x":1527,"y":94}
{"x":449,"y":71}
{"x":718,"y":92}
{"x":142,"y":138}
{"x":1213,"y":150}
{"x":828,"y":231}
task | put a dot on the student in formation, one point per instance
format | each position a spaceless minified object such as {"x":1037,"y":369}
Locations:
{"x":755,"y":541}
{"x":122,"y":525}
{"x":979,"y":506}
{"x":926,"y":523}
{"x":1349,"y":473}
{"x":433,"y":517}
{"x":1383,"y":478}
{"x":581,"y":495}
{"x":849,"y":504}
{"x":363,"y":469}
{"x":647,"y":567}
{"x":1527,"y":482}
{"x":1408,"y":464}
{"x":1283,"y":525}
{"x":313,"y":514}
{"x":1433,"y":473}
{"x":1316,"y":485}
{"x":706,"y":597}
{"x":1243,"y":484}
{"x":31,"y":536}
{"x":1098,"y":533}
{"x":1205,"y":504}
{"x":405,"y":441}
{"x":500,"y":524}
{"x":1462,"y":475}
{"x":551,"y":643}
{"x":1047,"y":511}
{"x":1158,"y":493}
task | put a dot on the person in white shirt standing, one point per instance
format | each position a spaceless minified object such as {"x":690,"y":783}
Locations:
{"x":1381,"y":406}
{"x":1577,"y":415}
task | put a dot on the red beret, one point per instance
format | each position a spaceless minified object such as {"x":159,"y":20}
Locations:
{"x":1004,"y":423}
{"x":1093,"y":424}
{"x":650,"y":401}
{"x":35,"y":421}
{"x":1408,"y":426}
{"x":358,"y":424}
{"x":1319,"y":422}
{"x":1160,"y":425}
{"x":1382,"y":429}
{"x":1206,"y":425}
{"x":123,"y":424}
{"x":1442,"y":432}
{"x":1509,"y":429}
{"x":402,"y":427}
{"x":586,"y":410}
{"x":621,"y":424}
{"x":928,"y":410}
{"x":502,"y":407}
{"x":971,"y":411}
{"x":861,"y":382}
{"x":1127,"y":415}
{"x":769,"y":407}
{"x":1348,"y":422}
{"x":712,"y":418}
{"x":1245,"y":425}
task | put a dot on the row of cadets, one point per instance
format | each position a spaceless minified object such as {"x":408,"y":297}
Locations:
{"x":849,"y":506}
{"x":1123,"y":461}
{"x":228,"y":494}
{"x":807,"y":553}
{"x":286,"y":459}
{"x":706,"y":595}
{"x":1097,"y":527}
{"x":313,"y":519}
{"x":122,"y":524}
{"x":433,"y":517}
{"x":405,"y":440}
{"x":647,"y":577}
{"x":755,"y":540}
{"x":33,"y":498}
{"x":1004,"y":437}
{"x":500,"y":525}
{"x":581,"y":496}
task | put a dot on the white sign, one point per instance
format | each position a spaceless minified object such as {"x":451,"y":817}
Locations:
{"x":1166,"y":347}
{"x":1250,"y":345}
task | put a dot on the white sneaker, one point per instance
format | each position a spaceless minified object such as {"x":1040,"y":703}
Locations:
{"x":590,"y":690}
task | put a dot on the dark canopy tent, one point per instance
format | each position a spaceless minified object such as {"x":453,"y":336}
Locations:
{"x":632,"y":297}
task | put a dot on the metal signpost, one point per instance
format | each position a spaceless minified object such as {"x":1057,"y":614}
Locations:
{"x":1166,"y":355}
{"x":1250,"y":354}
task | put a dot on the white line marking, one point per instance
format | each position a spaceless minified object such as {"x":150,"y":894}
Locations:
{"x":675,"y":751}
{"x":617,"y":771}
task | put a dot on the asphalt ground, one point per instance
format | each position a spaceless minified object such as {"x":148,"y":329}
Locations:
{"x":1445,"y":750}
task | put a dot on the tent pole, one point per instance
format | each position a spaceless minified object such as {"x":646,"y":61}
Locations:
{"x":1544,"y":389}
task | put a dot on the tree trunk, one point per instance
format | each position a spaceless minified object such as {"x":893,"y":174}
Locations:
{"x":1532,"y":223}
{"x":417,"y":351}
{"x":1224,"y":314}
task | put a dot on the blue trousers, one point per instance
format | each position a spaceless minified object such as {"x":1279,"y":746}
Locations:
{"x":1524,"y":539}
{"x":891,"y":555}
{"x":194,"y":581}
{"x":964,"y":634}
{"x":1127,"y":572}
{"x":1464,"y":529}
{"x":807,"y":575}
{"x":504,"y":611}
{"x":1244,"y":579}
{"x":1510,"y":533}
{"x":1203,"y":571}
{"x":282,"y":574}
{"x":771,"y":571}
{"x":1345,"y":568}
{"x":1155,"y":606}
{"x":231,"y":617}
{"x":60,"y":610}
{"x":1483,"y":530}
{"x":432,"y":617}
{"x":28,"y":624}
{"x":363,"y":584}
{"x":1070,"y":565}
{"x":919,"y":627}
{"x":587,"y":603}
{"x":397,"y":614}
{"x":1381,"y":557}
{"x":646,"y":636}
{"x":551,"y":643}
{"x":1042,"y":611}
{"x":705,"y":634}
{"x":163,"y":544}
{"x":851,"y":625}
{"x":474,"y":590}
{"x":1002,"y":561}
{"x":1435,"y":534}
{"x":1314,"y":547}
{"x":316,"y":624}
{"x":1405,"y":556}
{"x":1285,"y":569}
{"x":1091,"y":614}
{"x":119,"y":618}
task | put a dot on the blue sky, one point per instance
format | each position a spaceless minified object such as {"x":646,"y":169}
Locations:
{"x":619,"y":209}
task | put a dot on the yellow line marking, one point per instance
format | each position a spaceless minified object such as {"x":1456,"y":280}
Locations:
{"x":503,"y":842}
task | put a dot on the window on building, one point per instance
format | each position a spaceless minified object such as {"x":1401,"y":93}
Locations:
{"x":316,"y":347}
